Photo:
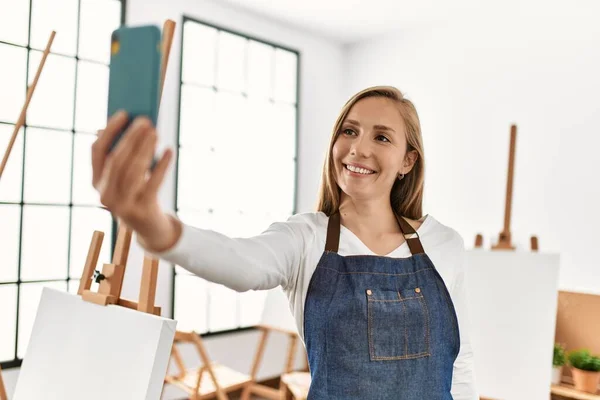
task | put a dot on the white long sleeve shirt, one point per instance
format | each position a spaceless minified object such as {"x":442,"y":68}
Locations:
{"x":287,"y":253}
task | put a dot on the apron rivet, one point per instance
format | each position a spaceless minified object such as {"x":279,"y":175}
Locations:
{"x":418,"y":290}
{"x":369,"y":292}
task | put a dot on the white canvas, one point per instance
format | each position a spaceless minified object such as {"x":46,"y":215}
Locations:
{"x":512,"y":301}
{"x":80,"y":350}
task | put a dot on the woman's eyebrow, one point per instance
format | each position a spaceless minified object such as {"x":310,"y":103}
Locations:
{"x":383,"y":128}
{"x":376,"y":127}
{"x":352,"y":122}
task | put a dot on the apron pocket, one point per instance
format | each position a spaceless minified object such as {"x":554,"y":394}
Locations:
{"x":398,"y":324}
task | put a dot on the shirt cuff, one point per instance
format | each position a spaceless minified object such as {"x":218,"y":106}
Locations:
{"x":175,"y":249}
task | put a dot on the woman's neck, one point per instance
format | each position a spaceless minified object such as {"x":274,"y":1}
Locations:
{"x":374,"y":217}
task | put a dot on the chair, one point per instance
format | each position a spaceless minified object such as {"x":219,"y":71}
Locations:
{"x":211,"y":380}
{"x":298,"y":383}
{"x":277,"y":319}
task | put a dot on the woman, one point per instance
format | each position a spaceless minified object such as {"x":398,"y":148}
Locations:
{"x":376,"y":287}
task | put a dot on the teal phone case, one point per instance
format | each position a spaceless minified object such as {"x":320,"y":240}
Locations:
{"x":134,"y":73}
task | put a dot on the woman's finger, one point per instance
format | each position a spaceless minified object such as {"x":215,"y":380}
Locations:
{"x":127,"y":148}
{"x":113,"y":174}
{"x":102,"y":144}
{"x":134,"y":177}
{"x":104,"y":189}
{"x":158,"y":174}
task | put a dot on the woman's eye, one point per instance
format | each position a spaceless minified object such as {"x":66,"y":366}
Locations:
{"x":349,"y":131}
{"x":382,"y":138}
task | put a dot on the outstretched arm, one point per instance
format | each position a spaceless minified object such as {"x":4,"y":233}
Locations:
{"x":256,"y":263}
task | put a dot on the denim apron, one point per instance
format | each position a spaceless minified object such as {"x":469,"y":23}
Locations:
{"x":378,"y":327}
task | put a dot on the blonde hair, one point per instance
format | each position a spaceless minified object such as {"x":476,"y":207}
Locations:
{"x":406,"y":197}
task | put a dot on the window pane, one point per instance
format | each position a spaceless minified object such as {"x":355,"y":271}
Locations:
{"x":261,"y":195}
{"x":260,"y":70}
{"x":9,"y":245}
{"x":52,"y":103}
{"x":285,"y":76}
{"x":196,"y":115}
{"x":222,"y":309}
{"x":201,"y":178}
{"x":260,"y":123}
{"x":83,"y":191}
{"x":282,"y":135}
{"x":28,"y":304}
{"x":98,"y":20}
{"x":231,"y":62}
{"x":45,"y":242}
{"x":191,"y":303}
{"x":272,"y":127}
{"x":235,"y":151}
{"x":92,"y":97}
{"x":231,"y":114}
{"x":12,"y":81}
{"x":251,"y":306}
{"x":47,"y":166}
{"x":10,"y":184}
{"x":8,"y":299}
{"x":199,"y":51}
{"x":84,"y":221}
{"x":54,"y":15}
{"x":14,"y":22}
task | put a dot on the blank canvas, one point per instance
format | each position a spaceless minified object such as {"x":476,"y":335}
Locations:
{"x":80,"y":350}
{"x":512,"y":302}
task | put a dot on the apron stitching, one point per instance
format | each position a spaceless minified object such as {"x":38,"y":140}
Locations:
{"x":376,"y":273}
{"x":427,"y":329}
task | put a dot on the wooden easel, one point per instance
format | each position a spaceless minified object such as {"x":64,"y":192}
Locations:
{"x":111,"y":277}
{"x":505,"y":237}
{"x":21,"y":121}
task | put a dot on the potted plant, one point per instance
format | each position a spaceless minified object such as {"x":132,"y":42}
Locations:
{"x":585,"y":369}
{"x":558,"y":361}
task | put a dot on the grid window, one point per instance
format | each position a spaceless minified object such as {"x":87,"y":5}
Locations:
{"x":48,"y":206}
{"x":236,"y":166}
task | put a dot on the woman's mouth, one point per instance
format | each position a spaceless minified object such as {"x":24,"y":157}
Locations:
{"x":353,"y":169}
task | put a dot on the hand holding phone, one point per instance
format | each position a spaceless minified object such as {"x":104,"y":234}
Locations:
{"x":122,"y":178}
{"x":125,"y":171}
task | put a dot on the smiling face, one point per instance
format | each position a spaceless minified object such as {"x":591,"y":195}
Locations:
{"x":370,"y":149}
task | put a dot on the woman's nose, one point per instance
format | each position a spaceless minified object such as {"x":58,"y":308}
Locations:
{"x":360,"y":147}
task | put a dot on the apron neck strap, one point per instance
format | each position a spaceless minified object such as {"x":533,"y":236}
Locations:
{"x":333,"y":233}
{"x":410,"y":235}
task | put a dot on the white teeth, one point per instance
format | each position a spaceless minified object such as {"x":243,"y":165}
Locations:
{"x":359,"y":170}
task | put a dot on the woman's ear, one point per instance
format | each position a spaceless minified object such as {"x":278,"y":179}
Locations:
{"x":409,"y":161}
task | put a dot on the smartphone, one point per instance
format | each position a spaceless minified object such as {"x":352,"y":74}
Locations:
{"x":134,"y":77}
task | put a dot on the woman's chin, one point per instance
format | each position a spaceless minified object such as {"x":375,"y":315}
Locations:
{"x":356,"y":193}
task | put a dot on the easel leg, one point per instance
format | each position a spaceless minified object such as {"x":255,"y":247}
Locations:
{"x":90,"y":263}
{"x":148,"y":285}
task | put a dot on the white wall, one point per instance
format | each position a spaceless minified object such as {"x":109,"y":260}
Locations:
{"x":470,"y":80}
{"x":321,"y":86}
